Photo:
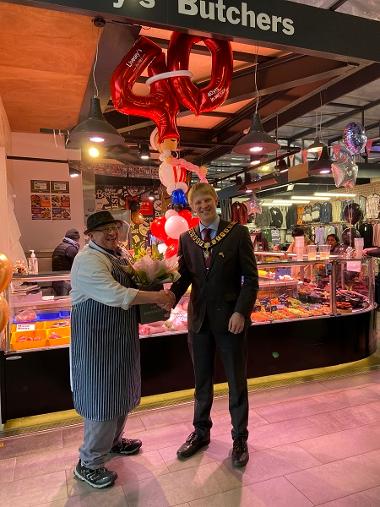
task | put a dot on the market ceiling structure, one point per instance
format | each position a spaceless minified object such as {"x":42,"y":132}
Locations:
{"x":46,"y":61}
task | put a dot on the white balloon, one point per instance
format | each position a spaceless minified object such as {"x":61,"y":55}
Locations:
{"x":175,"y":226}
{"x":170,"y":213}
{"x":181,"y":185}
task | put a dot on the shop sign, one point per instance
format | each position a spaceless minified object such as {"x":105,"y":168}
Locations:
{"x":274,"y":22}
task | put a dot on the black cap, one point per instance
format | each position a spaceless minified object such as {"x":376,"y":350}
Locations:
{"x":100,"y":218}
{"x":72,"y":234}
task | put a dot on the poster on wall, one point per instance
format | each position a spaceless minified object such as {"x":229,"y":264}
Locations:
{"x":60,"y":187}
{"x":40,"y":186}
{"x":40,"y":206}
{"x":61,"y":214}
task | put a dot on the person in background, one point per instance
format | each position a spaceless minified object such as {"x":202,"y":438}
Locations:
{"x":217,"y":259}
{"x":63,"y":258}
{"x":298,"y":231}
{"x":335,"y":247}
{"x":260,"y":243}
{"x":105,"y":348}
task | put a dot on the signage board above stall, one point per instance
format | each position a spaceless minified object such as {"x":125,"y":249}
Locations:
{"x":276,"y":23}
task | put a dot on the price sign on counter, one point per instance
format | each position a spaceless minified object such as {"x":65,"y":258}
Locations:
{"x":26,"y":327}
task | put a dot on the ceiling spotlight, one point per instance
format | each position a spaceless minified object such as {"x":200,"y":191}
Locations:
{"x":74,"y":173}
{"x":94,"y":152}
{"x":144,"y":152}
{"x":290,"y":187}
{"x":257,"y":140}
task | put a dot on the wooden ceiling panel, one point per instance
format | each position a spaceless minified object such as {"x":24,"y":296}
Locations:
{"x":234,"y":107}
{"x":43,"y":73}
{"x":36,"y":99}
{"x":202,"y":122}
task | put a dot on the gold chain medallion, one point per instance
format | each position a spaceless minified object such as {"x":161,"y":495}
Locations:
{"x":206,"y":246}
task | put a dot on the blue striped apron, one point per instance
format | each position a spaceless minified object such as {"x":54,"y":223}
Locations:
{"x":105,"y":355}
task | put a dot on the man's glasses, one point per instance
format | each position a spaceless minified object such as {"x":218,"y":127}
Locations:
{"x":109,"y":229}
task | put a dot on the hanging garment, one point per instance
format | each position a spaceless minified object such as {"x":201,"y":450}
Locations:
{"x":316,"y":212}
{"x":372,"y":206}
{"x":367,"y":233}
{"x":307,"y":218}
{"x":239,"y":213}
{"x":291,"y":216}
{"x":336,"y":211}
{"x":320,"y":235}
{"x":263,"y":220}
{"x":300,"y":214}
{"x":344,"y":205}
{"x":376,"y":235}
{"x":326,"y":212}
{"x":276,"y":217}
{"x":352,"y":213}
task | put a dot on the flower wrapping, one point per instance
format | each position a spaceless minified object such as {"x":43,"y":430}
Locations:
{"x":149,"y":271}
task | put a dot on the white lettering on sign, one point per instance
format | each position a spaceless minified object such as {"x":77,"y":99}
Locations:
{"x":135,"y":57}
{"x":148,"y":4}
{"x":25,"y":327}
{"x":217,"y":11}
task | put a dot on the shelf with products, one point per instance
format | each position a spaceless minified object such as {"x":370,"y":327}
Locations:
{"x":289,"y":290}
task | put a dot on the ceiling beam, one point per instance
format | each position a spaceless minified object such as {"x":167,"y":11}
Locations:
{"x":345,"y":85}
{"x":337,"y":4}
{"x":338,"y":119}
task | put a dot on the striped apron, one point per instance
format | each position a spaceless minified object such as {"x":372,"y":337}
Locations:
{"x":105,"y":355}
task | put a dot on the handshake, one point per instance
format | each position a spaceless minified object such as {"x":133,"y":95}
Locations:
{"x":165,"y":299}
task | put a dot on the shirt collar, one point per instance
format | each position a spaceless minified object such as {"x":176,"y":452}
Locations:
{"x":213,"y":226}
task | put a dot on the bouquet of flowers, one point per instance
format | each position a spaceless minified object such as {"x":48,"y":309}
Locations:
{"x":150,"y":270}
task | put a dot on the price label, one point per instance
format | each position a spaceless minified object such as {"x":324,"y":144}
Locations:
{"x":355,"y":266}
{"x":26,"y":327}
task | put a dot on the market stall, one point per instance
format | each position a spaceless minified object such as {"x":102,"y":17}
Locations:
{"x":298,"y":323}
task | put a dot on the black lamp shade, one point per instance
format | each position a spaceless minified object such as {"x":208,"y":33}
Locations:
{"x":316,"y":146}
{"x":257,"y":141}
{"x":321,"y":167}
{"x":95,"y":126}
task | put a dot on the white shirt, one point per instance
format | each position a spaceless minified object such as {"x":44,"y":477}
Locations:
{"x":91,"y":278}
{"x":213,"y":226}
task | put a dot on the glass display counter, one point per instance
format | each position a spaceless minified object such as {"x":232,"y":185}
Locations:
{"x":308,"y":314}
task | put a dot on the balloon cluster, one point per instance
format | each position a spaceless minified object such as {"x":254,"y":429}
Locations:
{"x":344,"y":169}
{"x":173,"y":171}
{"x":354,"y":138}
{"x":170,"y":83}
{"x":169,"y":227}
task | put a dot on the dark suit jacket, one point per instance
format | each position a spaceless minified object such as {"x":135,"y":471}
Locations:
{"x":229,"y":286}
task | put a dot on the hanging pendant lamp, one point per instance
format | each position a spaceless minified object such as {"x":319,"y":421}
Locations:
{"x":95,"y":129}
{"x":316,"y":146}
{"x":256,"y":141}
{"x":321,"y":166}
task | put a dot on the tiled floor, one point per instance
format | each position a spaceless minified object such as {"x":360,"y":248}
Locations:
{"x":311,"y":444}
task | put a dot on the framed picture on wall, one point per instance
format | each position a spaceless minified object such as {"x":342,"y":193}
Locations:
{"x":60,"y":187}
{"x":40,"y":186}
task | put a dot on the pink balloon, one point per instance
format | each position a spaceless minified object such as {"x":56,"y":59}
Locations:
{"x":175,"y":226}
{"x":170,"y":213}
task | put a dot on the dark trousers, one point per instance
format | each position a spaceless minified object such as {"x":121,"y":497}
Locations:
{"x":233,"y":352}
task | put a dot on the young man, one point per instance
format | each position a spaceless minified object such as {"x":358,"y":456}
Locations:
{"x":217,"y":259}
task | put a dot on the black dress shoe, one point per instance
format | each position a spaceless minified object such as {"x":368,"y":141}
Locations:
{"x":240,"y":454}
{"x":193,"y":443}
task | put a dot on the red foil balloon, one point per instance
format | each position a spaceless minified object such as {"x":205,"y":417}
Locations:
{"x":211,"y":96}
{"x":171,"y":251}
{"x":186,"y":214}
{"x":157,"y":228}
{"x":160,"y":105}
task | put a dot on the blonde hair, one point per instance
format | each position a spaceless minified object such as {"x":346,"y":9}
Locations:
{"x":201,"y":188}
